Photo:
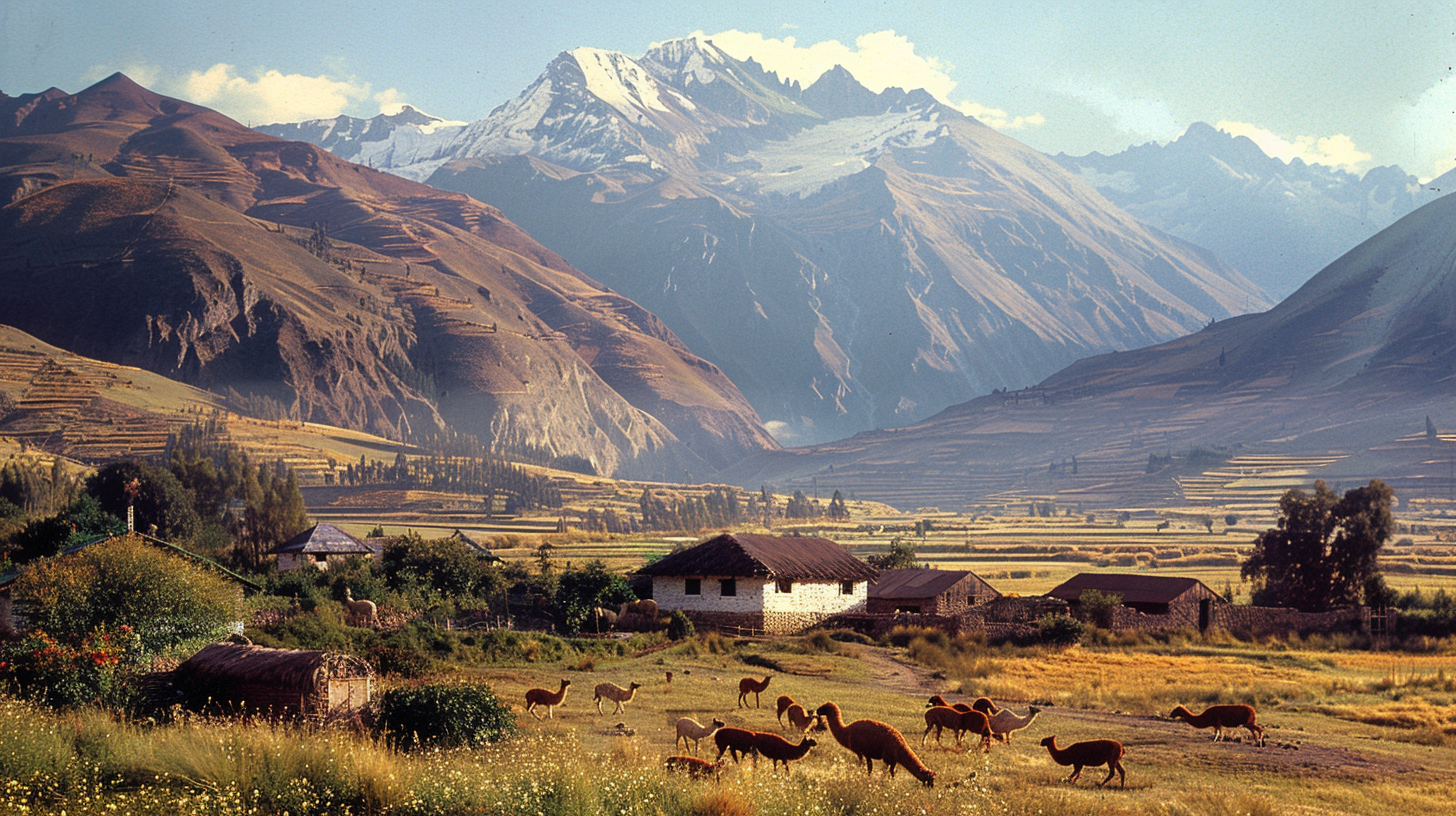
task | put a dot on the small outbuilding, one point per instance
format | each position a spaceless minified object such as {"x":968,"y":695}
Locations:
{"x":928,"y":592}
{"x":1189,"y":600}
{"x":318,"y":546}
{"x":238,"y":678}
{"x":777,"y":584}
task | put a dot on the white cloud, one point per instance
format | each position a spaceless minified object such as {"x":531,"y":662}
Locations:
{"x":1139,"y":116}
{"x":271,"y":96}
{"x":1428,"y":125}
{"x":391,"y":101}
{"x":879,"y":60}
{"x":1333,"y":151}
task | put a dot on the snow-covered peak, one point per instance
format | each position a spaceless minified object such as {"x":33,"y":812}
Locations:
{"x":623,"y":83}
{"x":693,"y":59}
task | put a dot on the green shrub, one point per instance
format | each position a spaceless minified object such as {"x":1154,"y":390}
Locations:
{"x":443,"y":715}
{"x":93,"y":671}
{"x":680,"y":626}
{"x":1059,"y":630}
{"x":399,"y":658}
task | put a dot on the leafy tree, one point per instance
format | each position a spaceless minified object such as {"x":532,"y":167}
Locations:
{"x":83,"y":520}
{"x":579,"y":591}
{"x":164,"y":598}
{"x":157,"y":497}
{"x":1097,"y":607}
{"x":444,"y":715}
{"x":1323,"y":550}
{"x":899,"y":555}
{"x":838,"y":510}
{"x":447,"y":566}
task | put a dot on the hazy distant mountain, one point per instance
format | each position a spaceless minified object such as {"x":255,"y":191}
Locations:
{"x":1349,"y":365}
{"x":850,"y":259}
{"x":404,"y":138}
{"x":1277,"y":223}
{"x":147,"y":231}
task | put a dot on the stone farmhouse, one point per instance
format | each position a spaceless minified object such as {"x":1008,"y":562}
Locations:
{"x":928,"y":592}
{"x":318,"y":546}
{"x":1180,"y":601}
{"x":760,"y":582}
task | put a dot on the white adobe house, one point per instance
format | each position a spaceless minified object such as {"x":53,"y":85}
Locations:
{"x":319,"y":545}
{"x":769,"y":583}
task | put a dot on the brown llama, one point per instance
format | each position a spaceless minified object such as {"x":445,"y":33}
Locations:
{"x":783,"y":703}
{"x":871,"y":740}
{"x":695,"y":768}
{"x":1090,"y":754}
{"x":748,"y":686}
{"x":1220,"y":717}
{"x":545,"y":697}
{"x":938,"y":718}
{"x":778,"y":749}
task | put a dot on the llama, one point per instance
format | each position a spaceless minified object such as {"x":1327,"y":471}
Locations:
{"x":1220,"y":717}
{"x":603,"y":620}
{"x":941,"y":717}
{"x":615,"y":693}
{"x":695,"y":768}
{"x":748,"y":686}
{"x":689,"y":728}
{"x":361,"y":613}
{"x":784,"y":702}
{"x":545,"y":697}
{"x":1090,"y":754}
{"x":871,"y":740}
{"x":735,"y":741}
{"x":981,"y":704}
{"x":801,"y":721}
{"x":1006,"y":723}
{"x":778,"y":749}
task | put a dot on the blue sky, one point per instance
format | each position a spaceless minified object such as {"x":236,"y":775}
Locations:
{"x":1348,"y":84}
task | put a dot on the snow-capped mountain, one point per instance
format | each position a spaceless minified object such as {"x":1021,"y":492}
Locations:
{"x":1277,"y":223}
{"x":850,"y":259}
{"x":408,"y":138}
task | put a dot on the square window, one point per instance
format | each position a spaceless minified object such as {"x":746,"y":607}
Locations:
{"x":785,"y":586}
{"x":693,"y":586}
{"x":728,"y":587}
{"x":846,"y":587}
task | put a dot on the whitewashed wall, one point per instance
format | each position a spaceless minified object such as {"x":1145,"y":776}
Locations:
{"x":669,"y":594}
{"x":815,"y":597}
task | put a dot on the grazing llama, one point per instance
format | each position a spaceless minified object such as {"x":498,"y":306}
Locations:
{"x":801,"y":721}
{"x":545,"y":697}
{"x":695,"y":768}
{"x":778,"y":749}
{"x":748,"y":686}
{"x":615,"y":693}
{"x":938,"y":718}
{"x":871,"y":740}
{"x":1090,"y":754}
{"x":783,"y":703}
{"x":690,"y":729}
{"x":1219,"y":717}
{"x":361,"y":613}
{"x":735,"y":741}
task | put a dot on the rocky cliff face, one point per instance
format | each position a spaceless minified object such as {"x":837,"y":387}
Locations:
{"x":150,"y":232}
{"x":850,"y":259}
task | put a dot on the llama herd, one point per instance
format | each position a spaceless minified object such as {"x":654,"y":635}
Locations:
{"x":871,"y":740}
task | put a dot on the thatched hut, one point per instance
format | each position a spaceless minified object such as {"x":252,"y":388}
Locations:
{"x":277,"y":682}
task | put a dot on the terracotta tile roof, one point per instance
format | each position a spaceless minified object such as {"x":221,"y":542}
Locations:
{"x":764,"y":556}
{"x":1155,"y":589}
{"x":905,"y":584}
{"x":324,"y":539}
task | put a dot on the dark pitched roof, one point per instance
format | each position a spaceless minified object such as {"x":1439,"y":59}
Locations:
{"x":789,"y":558}
{"x":904,"y":584}
{"x":324,"y":539}
{"x":1155,"y":589}
{"x":480,"y":549}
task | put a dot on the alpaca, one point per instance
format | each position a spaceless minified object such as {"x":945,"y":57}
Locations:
{"x":695,"y":768}
{"x":689,"y":728}
{"x":778,"y":749}
{"x":1090,"y":754}
{"x":801,"y":721}
{"x":735,"y":741}
{"x":941,"y":717}
{"x":361,"y":613}
{"x":615,"y":693}
{"x":1220,"y":717}
{"x":937,"y":700}
{"x":748,"y":686}
{"x":1006,"y":723}
{"x":872,"y":740}
{"x":981,"y":704}
{"x":784,"y":702}
{"x":545,"y":697}
{"x":603,"y":620}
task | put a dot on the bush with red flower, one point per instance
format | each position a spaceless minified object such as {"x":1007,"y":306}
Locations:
{"x":69,"y":672}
